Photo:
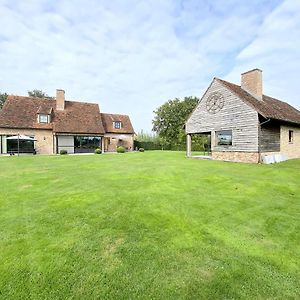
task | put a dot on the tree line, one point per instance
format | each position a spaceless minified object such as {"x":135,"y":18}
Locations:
{"x":168,"y":127}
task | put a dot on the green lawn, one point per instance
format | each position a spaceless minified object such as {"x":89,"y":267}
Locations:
{"x":148,"y":225}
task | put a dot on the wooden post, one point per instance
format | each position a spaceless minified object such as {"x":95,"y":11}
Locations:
{"x":18,"y":144}
{"x":103,"y":144}
{"x":188,"y":145}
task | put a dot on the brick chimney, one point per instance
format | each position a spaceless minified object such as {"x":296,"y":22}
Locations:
{"x":251,"y":81}
{"x":60,"y":99}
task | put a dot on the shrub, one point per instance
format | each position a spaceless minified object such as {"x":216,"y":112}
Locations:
{"x":141,"y":149}
{"x":120,"y":149}
{"x":63,"y":152}
{"x":98,"y":151}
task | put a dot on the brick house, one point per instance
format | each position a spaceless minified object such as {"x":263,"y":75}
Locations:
{"x":244,"y":124}
{"x":57,"y":124}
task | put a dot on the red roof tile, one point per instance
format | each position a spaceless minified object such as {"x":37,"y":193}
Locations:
{"x":108,"y":119}
{"x":78,"y":117}
{"x":268,"y":107}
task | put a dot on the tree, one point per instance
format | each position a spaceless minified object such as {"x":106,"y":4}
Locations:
{"x":147,"y":137}
{"x":170,"y":118}
{"x":3,"y":98}
{"x":38,"y":94}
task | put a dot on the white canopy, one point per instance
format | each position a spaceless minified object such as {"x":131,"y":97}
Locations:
{"x":21,"y":138}
{"x":120,"y":136}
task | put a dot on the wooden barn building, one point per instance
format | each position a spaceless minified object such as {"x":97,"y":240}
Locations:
{"x":243,"y":124}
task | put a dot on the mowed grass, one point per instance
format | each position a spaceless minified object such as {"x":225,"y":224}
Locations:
{"x":151,"y":225}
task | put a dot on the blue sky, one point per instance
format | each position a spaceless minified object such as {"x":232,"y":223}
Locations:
{"x":132,"y":56}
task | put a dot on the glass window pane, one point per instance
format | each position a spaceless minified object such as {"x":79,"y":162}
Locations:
{"x":224,"y":137}
{"x":24,"y":146}
{"x":86,"y":143}
{"x":291,"y":136}
{"x":117,"y":124}
{"x":43,"y":118}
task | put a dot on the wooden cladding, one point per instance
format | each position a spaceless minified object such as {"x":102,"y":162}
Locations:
{"x":235,"y":115}
{"x":270,"y":137}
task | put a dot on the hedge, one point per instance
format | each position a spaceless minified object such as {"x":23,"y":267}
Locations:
{"x":157,"y":146}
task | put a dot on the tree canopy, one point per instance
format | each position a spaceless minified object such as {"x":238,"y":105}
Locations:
{"x":3,"y":97}
{"x":170,"y":118}
{"x":38,"y":94}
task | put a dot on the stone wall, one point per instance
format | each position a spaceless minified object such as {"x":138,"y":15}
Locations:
{"x":245,"y":157}
{"x":291,"y":150}
{"x":44,"y":143}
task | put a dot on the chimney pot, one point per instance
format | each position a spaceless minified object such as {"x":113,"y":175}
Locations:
{"x":251,"y":81}
{"x":60,"y":99}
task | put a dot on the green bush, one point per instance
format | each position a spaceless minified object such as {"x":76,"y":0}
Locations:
{"x":141,"y":149}
{"x":63,"y":152}
{"x":120,"y":149}
{"x":98,"y":151}
{"x":149,"y":145}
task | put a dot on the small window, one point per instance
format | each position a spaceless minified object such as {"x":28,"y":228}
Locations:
{"x":43,"y":119}
{"x":291,"y":136}
{"x":224,"y":138}
{"x":117,"y":124}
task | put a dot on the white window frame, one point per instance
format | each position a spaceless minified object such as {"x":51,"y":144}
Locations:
{"x":41,"y":116}
{"x":117,"y":122}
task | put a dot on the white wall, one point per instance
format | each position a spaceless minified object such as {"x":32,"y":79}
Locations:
{"x":4,"y":145}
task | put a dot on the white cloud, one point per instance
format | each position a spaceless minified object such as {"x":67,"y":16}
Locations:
{"x":275,"y":50}
{"x":129,"y":56}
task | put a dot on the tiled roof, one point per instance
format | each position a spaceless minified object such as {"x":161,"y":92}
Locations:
{"x":108,"y":119}
{"x":78,"y":117}
{"x":268,"y":107}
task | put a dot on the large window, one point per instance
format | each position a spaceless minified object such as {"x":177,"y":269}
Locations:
{"x":117,"y":124}
{"x":224,"y":138}
{"x":84,"y":144}
{"x":24,"y":146}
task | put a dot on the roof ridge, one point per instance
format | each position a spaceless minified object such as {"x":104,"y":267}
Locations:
{"x":29,"y":97}
{"x":49,"y":99}
{"x":115,"y":114}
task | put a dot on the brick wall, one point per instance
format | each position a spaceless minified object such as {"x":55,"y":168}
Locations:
{"x":291,"y":150}
{"x":251,"y":81}
{"x":44,"y":143}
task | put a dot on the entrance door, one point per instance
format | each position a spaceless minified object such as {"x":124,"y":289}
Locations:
{"x":106,"y":143}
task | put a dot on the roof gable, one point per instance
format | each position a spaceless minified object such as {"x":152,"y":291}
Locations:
{"x":213,"y":87}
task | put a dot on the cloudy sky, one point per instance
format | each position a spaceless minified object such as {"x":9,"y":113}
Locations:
{"x":131,"y":56}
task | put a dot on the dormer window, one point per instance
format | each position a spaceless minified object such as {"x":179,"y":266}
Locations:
{"x":44,"y":118}
{"x":117,"y":124}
